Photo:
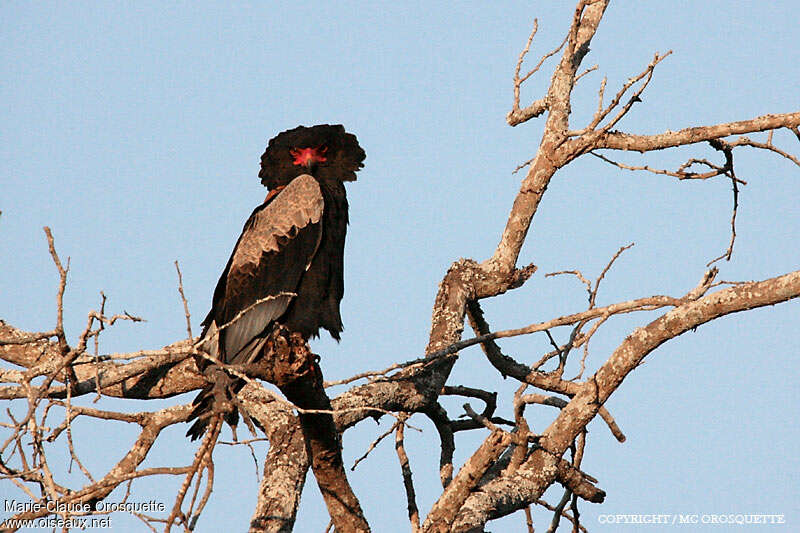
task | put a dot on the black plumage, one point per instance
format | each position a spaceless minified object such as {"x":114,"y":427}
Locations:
{"x":287,"y":267}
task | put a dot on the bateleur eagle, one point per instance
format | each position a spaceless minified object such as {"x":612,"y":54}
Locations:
{"x":287,"y":266}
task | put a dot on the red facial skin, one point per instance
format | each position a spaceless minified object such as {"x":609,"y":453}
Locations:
{"x":306,"y":157}
{"x":309,"y":156}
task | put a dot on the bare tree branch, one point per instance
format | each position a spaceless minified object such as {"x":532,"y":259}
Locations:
{"x":616,"y":140}
{"x":405,"y":467}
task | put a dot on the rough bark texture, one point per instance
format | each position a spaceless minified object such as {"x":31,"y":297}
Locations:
{"x":285,"y":466}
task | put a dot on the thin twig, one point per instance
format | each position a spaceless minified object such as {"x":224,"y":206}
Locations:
{"x":727,"y":149}
{"x":377,"y":441}
{"x":62,"y":285}
{"x":185,"y":303}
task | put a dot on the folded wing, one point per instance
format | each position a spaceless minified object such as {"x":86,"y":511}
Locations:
{"x":276,"y":248}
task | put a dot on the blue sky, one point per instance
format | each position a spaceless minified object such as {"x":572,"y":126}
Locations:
{"x":134,"y":131}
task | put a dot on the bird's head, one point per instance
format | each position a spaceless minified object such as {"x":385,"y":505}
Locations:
{"x":325,"y":151}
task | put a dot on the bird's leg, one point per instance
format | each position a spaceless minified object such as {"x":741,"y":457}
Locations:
{"x":221,"y":380}
{"x":304,"y":362}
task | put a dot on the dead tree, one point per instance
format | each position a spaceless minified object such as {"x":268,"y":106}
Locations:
{"x":514,"y":465}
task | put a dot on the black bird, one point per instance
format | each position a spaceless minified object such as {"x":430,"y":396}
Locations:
{"x":287,"y":267}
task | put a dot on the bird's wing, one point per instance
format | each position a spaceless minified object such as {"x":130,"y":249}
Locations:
{"x":276,"y":247}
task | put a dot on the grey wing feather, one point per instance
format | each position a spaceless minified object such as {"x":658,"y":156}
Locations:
{"x":243,"y":331}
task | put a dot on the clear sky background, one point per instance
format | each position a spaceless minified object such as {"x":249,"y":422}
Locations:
{"x":134,"y":131}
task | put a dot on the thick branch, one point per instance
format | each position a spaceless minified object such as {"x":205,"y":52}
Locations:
{"x":322,"y":440}
{"x":446,"y":507}
{"x":151,"y":374}
{"x":585,"y":23}
{"x":286,"y":464}
{"x":617,"y":140}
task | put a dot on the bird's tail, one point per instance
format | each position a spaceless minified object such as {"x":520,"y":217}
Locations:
{"x":217,"y":399}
